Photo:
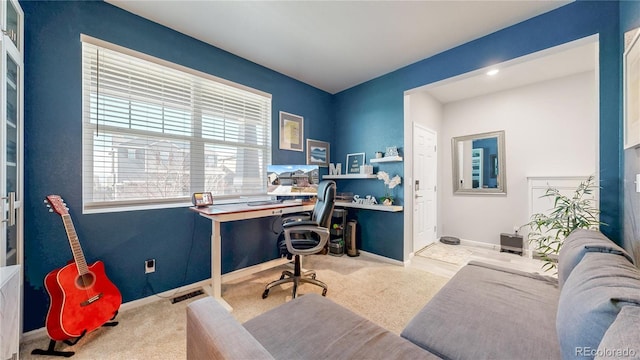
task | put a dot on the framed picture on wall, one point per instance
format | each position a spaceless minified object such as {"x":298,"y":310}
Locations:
{"x":317,"y":153}
{"x":291,"y":132}
{"x":353,"y":163}
{"x":631,"y":91}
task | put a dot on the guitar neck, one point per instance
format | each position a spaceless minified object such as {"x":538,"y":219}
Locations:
{"x":78,"y":255}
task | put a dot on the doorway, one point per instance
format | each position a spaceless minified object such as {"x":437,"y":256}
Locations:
{"x":474,"y":103}
{"x":425,"y":175}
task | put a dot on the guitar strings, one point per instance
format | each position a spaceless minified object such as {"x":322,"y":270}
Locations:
{"x":72,"y":235}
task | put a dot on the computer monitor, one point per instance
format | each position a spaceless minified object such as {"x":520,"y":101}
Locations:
{"x":293,"y":180}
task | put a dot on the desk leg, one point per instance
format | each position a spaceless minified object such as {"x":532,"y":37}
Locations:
{"x":216,"y":264}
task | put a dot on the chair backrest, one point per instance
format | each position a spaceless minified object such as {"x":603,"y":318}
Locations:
{"x":324,"y":205}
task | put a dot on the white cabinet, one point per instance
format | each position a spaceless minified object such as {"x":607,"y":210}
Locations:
{"x":566,"y":185}
{"x":11,"y":132}
{"x":9,"y":312}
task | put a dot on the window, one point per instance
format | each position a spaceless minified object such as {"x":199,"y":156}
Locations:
{"x":155,"y":132}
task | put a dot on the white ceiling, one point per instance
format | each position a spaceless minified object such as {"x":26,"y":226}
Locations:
{"x":334,"y":45}
{"x":568,"y":59}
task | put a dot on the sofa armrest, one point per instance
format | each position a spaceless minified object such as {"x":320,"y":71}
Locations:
{"x":212,"y":333}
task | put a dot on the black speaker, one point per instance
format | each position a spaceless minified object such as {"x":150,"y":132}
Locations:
{"x":511,"y":243}
{"x":350,"y":238}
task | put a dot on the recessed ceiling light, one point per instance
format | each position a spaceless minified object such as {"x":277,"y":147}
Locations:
{"x":493,"y":72}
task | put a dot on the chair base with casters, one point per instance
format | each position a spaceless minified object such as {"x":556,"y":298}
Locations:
{"x":306,"y":236}
{"x":297,"y":277}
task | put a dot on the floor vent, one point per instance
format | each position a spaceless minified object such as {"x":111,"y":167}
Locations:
{"x":186,"y":296}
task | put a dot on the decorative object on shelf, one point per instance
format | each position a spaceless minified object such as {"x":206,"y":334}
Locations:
{"x":631,"y":93}
{"x":335,"y":169}
{"x":291,"y":132}
{"x":367,"y":200}
{"x":379,"y":154}
{"x":317,"y":153}
{"x":389,"y":183}
{"x":391,"y":151}
{"x":577,"y":211}
{"x":344,"y":196}
{"x":353,"y":163}
{"x":366,"y":169}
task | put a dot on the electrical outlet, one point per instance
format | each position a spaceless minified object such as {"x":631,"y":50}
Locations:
{"x":149,"y":266}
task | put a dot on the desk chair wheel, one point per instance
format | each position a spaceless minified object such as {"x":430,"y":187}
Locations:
{"x":265,"y":294}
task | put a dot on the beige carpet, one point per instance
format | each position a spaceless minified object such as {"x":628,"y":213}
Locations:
{"x":386,"y":294}
{"x":453,"y":254}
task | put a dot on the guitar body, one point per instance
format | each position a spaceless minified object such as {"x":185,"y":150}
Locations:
{"x":79,"y":303}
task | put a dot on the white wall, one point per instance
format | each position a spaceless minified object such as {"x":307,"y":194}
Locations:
{"x":550,"y":130}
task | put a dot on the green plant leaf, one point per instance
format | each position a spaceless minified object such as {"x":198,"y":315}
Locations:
{"x":577,"y":211}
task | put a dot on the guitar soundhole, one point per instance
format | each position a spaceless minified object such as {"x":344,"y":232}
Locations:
{"x":85,"y":281}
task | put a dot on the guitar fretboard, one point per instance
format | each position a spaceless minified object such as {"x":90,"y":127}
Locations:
{"x":78,"y":255}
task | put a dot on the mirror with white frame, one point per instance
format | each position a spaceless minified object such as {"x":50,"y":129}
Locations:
{"x":479,"y":164}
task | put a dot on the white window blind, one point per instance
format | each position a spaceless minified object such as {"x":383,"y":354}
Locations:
{"x":154,"y":132}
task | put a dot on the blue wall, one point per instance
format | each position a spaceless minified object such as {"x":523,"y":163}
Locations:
{"x":630,"y":19}
{"x":177,"y":238}
{"x":366,"y":118}
{"x":370,"y":116}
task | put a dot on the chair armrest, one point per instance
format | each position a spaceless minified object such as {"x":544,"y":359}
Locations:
{"x":305,"y":226}
{"x":294,"y":224}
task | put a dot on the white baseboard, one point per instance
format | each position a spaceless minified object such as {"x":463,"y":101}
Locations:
{"x":42,"y":332}
{"x":382,"y":258}
{"x":496,"y":247}
{"x":480,"y":244}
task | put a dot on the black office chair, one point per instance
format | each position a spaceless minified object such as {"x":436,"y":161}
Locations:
{"x":306,"y":237}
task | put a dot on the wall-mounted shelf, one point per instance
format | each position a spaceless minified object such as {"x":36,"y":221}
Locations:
{"x":389,"y":208}
{"x":386,"y":159}
{"x":350,"y":176}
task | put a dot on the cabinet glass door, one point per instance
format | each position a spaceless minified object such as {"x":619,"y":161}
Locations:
{"x":12,"y":25}
{"x":11,"y":133}
{"x":11,"y":163}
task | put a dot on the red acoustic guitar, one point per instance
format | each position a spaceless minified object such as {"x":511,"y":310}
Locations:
{"x":82,"y":297}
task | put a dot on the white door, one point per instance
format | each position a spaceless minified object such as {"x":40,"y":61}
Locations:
{"x":425,"y":166}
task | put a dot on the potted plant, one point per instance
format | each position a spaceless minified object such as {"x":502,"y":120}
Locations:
{"x":547,"y":231}
{"x":389,"y":183}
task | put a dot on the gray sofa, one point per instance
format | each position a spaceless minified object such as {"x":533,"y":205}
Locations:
{"x":484,"y":312}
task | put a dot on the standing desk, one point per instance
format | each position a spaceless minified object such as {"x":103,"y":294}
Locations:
{"x":241,"y":211}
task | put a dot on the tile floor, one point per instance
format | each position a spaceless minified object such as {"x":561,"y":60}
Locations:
{"x":482,"y":254}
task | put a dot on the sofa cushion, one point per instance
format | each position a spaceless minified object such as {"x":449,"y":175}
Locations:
{"x":489,"y":312}
{"x":212,"y":333}
{"x":622,"y":339}
{"x":599,"y":286}
{"x":580,"y":242}
{"x":314,"y":327}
